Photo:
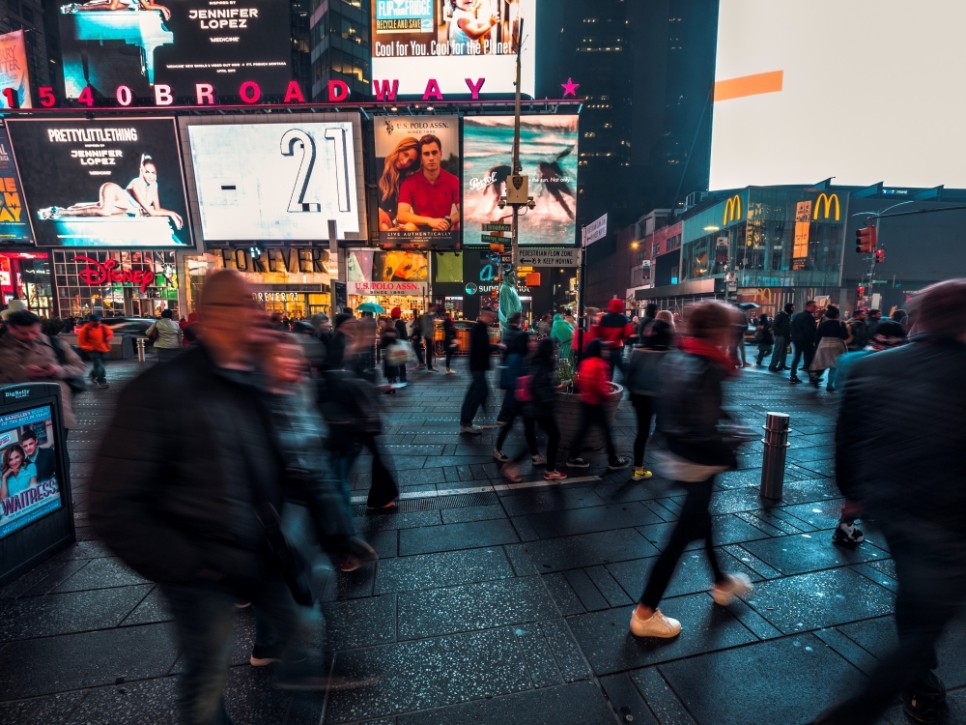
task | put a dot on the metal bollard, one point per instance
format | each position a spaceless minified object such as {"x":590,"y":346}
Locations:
{"x":773,"y":463}
{"x":141,"y":346}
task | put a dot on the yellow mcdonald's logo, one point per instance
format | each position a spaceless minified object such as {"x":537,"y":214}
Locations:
{"x":829,"y":200}
{"x":732,"y":210}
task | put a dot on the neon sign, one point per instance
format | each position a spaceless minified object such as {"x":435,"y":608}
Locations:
{"x":99,"y":273}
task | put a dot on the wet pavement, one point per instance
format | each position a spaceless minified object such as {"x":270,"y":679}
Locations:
{"x":504,"y":603}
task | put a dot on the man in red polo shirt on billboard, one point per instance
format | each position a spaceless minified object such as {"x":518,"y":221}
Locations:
{"x":431,"y":198}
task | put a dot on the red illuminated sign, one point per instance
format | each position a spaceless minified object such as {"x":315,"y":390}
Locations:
{"x":98,"y":273}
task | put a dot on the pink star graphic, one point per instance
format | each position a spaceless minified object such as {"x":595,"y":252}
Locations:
{"x":570,"y":88}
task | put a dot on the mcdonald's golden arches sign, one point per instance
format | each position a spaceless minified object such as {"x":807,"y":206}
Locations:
{"x":732,"y":210}
{"x":827,"y":203}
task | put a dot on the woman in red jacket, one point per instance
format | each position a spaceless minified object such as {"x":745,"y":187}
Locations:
{"x":593,"y":375}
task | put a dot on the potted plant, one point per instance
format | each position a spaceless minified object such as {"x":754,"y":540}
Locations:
{"x":568,"y":408}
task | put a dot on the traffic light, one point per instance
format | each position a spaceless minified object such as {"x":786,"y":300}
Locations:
{"x":861,"y":291}
{"x":865,"y":239}
{"x":879,"y":256}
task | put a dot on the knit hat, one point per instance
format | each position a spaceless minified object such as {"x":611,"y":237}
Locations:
{"x":395,"y":313}
{"x":615,"y":306}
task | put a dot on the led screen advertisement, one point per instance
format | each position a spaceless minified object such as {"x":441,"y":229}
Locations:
{"x":418,"y":187}
{"x":14,"y":74}
{"x":285,"y":179}
{"x":548,"y":156}
{"x":137,"y":43}
{"x":29,"y":485}
{"x":13,"y":220}
{"x":805,"y":91}
{"x":415,"y":41}
{"x":109,"y":182}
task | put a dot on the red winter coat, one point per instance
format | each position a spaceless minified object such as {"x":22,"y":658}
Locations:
{"x":593,"y":375}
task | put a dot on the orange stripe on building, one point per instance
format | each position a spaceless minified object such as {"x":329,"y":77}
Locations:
{"x":752,"y":85}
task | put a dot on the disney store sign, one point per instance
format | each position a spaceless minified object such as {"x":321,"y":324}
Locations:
{"x":101,"y":273}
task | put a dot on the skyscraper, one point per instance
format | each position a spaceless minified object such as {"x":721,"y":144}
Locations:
{"x":340,"y":45}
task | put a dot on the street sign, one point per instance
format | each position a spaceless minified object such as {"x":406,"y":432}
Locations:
{"x":497,"y":227}
{"x":493,"y":239}
{"x":564,"y":257}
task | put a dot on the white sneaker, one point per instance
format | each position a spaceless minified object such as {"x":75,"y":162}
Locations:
{"x":656,"y":626}
{"x":500,"y":455}
{"x":538,"y":460}
{"x":471,"y":429}
{"x":738,"y":585}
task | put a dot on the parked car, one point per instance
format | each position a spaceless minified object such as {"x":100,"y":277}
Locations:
{"x":131,"y":327}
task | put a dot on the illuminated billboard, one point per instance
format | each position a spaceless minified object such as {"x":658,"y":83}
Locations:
{"x":805,"y":91}
{"x":13,"y":219}
{"x":548,"y":155}
{"x":287,"y":178}
{"x":417,"y":181}
{"x":107,"y":182}
{"x":138,"y":43}
{"x":426,"y":46}
{"x":14,"y":74}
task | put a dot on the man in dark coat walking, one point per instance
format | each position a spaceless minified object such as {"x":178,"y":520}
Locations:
{"x":803,"y":332}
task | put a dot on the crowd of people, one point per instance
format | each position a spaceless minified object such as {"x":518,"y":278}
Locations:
{"x":228,"y":515}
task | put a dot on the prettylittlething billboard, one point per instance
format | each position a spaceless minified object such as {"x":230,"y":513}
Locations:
{"x":438,"y":45}
{"x":280,"y":178}
{"x":179,"y":43}
{"x":108,"y":182}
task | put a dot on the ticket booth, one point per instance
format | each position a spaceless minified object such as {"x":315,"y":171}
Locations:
{"x":36,"y":513}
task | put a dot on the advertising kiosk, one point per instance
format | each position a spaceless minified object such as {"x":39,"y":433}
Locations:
{"x":36,"y":513}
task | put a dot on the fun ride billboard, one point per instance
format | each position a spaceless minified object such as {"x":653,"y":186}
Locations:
{"x":548,"y":156}
{"x":286,"y":178}
{"x":417,"y":181}
{"x":106,"y":182}
{"x":422,"y":47}
{"x":136,"y":44}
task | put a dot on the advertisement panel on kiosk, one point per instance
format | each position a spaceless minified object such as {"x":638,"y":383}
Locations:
{"x":452,"y":44}
{"x":290,"y":178}
{"x":36,"y":515}
{"x":13,"y":220}
{"x":548,"y":155}
{"x":177,"y":43}
{"x":113,"y":182}
{"x":418,"y":186}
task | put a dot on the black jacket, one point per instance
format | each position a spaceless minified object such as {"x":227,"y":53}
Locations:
{"x":689,"y":409}
{"x":782,"y":325}
{"x":173,"y":485}
{"x":899,"y":440}
{"x":804,"y":328}
{"x":480,"y":347}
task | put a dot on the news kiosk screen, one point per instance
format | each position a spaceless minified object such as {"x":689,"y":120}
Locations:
{"x":107,"y":183}
{"x":548,"y":156}
{"x":29,"y":484}
{"x":107,"y":44}
{"x":13,"y":220}
{"x":418,"y":185}
{"x":278,"y":181}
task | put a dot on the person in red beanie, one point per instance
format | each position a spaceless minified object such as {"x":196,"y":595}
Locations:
{"x":612,"y":330}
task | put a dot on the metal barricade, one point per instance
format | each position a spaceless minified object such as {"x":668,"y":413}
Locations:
{"x":773,"y":462}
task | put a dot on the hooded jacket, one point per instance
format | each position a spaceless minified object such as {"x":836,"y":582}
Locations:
{"x":614,"y":327}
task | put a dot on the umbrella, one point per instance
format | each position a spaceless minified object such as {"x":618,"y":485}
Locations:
{"x":372,"y":307}
{"x":748,"y":305}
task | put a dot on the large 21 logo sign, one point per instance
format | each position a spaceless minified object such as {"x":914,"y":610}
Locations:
{"x":297,"y":141}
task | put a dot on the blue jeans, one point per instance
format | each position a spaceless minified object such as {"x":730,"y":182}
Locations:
{"x":203,"y":615}
{"x":476,"y":396}
{"x":98,"y":371}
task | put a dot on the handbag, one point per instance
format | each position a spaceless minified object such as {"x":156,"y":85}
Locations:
{"x":523,"y":393}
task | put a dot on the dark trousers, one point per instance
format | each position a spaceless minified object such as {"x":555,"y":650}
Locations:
{"x":779,"y":357}
{"x":804,"y":352}
{"x":932,"y":591}
{"x":615,"y":356}
{"x":510,"y":411}
{"x":510,"y":407}
{"x":590,"y":415}
{"x":417,"y":344}
{"x":644,"y":408}
{"x":450,"y":350}
{"x":98,"y":371}
{"x":476,"y":396}
{"x":549,"y":425}
{"x":694,"y":523}
{"x":430,"y":352}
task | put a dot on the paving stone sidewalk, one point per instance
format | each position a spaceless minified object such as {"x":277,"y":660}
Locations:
{"x":503,"y":604}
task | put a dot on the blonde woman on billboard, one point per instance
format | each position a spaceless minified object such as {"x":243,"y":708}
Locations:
{"x":140,"y":198}
{"x":401,"y":162}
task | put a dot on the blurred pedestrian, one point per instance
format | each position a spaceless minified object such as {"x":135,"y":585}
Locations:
{"x":480,"y":350}
{"x":514,"y":341}
{"x":900,"y":456}
{"x":831,"y":342}
{"x":764,"y":338}
{"x":450,"y":342}
{"x":94,"y":338}
{"x":858,"y":330}
{"x":197,"y":509}
{"x":781,"y":330}
{"x":803,"y":331}
{"x":644,"y":383}
{"x":402,"y":337}
{"x":166,"y":335}
{"x":689,"y":413}
{"x":427,"y":326}
{"x":595,"y":390}
{"x":518,"y":351}
{"x":613,"y":330}
{"x":562,"y":333}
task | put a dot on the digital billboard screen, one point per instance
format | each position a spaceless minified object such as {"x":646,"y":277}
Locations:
{"x":14,"y":73}
{"x":805,"y":91}
{"x":418,"y":186}
{"x":29,"y":482}
{"x":13,"y":219}
{"x":136,"y":43}
{"x":277,"y":179}
{"x":108,"y":182}
{"x":415,"y":41}
{"x":548,"y":156}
